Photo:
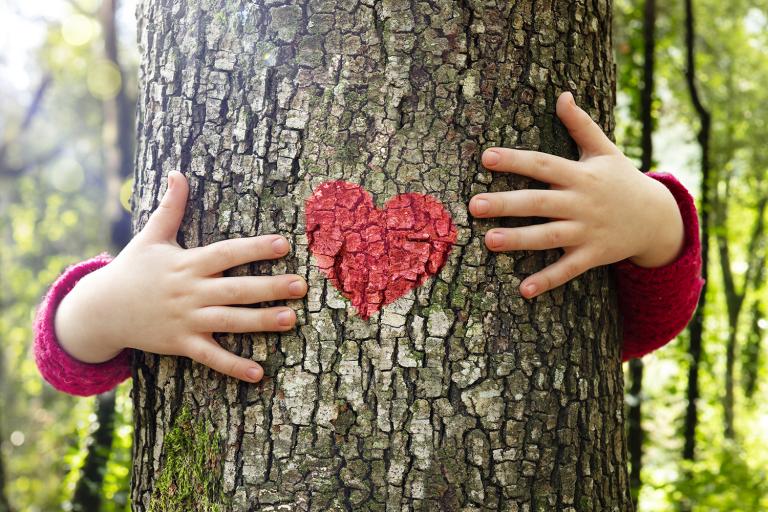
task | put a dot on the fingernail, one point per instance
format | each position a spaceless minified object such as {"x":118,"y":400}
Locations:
{"x":171,"y":183}
{"x":491,"y":157}
{"x":280,"y":246}
{"x":482,"y":206}
{"x":530,"y":289}
{"x":296,"y":288}
{"x":253,"y":374}
{"x":495,"y":239}
{"x":285,"y":318}
{"x":571,"y":99}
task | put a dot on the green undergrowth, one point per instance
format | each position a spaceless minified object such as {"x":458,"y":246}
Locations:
{"x":191,"y":474}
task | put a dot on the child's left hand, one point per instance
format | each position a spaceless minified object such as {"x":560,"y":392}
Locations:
{"x":603,"y":209}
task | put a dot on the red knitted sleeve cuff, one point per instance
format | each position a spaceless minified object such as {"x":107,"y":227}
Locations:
{"x":657,"y":303}
{"x":61,"y":370}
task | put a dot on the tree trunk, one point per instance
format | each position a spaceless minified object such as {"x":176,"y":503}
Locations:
{"x":88,"y":492}
{"x":459,"y":394}
{"x":5,"y":506}
{"x":696,"y":327}
{"x":117,"y":134}
{"x":635,"y":434}
{"x":751,"y":355}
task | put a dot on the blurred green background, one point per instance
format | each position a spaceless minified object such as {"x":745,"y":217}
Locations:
{"x":67,"y":90}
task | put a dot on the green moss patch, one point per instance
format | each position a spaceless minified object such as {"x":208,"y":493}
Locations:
{"x":191,"y":474}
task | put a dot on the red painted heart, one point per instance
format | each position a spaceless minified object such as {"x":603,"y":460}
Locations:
{"x":374,"y":256}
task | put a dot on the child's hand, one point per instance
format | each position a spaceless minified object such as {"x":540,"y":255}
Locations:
{"x":158,"y":297}
{"x":603,"y":209}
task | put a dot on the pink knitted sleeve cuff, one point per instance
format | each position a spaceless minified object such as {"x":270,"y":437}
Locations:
{"x":61,"y":370}
{"x":657,"y":303}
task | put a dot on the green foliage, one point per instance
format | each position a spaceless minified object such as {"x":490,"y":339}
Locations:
{"x":731,"y":57}
{"x":190,"y":478}
{"x":725,"y":481}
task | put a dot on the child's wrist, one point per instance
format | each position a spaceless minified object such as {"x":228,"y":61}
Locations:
{"x":667,"y":239}
{"x":76,"y":318}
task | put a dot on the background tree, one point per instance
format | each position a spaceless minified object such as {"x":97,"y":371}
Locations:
{"x":457,"y":394}
{"x":635,"y":434}
{"x":696,"y":326}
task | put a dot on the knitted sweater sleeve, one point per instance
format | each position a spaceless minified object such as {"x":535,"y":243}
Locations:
{"x":657,"y":303}
{"x":61,"y":370}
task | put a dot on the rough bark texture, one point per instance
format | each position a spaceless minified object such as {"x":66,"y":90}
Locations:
{"x":460,"y":395}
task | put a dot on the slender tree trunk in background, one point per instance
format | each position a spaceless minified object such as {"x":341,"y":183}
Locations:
{"x":5,"y":506}
{"x":4,"y":503}
{"x":459,"y":395}
{"x":635,"y":435}
{"x":696,"y":327}
{"x":118,"y":148}
{"x":752,"y":350}
{"x":88,"y":492}
{"x":734,"y":298}
{"x":118,"y":132}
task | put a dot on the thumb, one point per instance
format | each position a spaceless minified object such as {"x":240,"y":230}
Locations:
{"x":164,"y":222}
{"x":585,"y":132}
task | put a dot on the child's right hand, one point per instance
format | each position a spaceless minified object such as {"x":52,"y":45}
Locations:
{"x":157,"y":297}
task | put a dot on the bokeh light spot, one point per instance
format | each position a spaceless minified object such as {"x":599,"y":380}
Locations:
{"x":104,"y":80}
{"x":126,"y":189}
{"x":66,"y":175}
{"x":17,"y":438}
{"x":78,"y":30}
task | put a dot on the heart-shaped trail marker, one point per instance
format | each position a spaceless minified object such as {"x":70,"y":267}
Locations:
{"x":374,"y":256}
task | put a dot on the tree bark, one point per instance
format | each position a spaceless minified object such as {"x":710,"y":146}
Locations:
{"x":458,"y":395}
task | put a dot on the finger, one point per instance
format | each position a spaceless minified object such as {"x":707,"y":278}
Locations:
{"x":209,"y":353}
{"x":539,"y":166}
{"x":164,"y":222}
{"x":585,"y":132}
{"x":240,"y":320}
{"x":550,"y":235}
{"x":220,"y":291}
{"x":555,"y":204}
{"x":563,"y":270}
{"x":220,"y":256}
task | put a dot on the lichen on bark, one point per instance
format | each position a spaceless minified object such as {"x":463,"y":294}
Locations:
{"x":460,"y":395}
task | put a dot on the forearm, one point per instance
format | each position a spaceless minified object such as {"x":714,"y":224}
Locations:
{"x":669,"y":237}
{"x":63,"y":371}
{"x":77,"y":322}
